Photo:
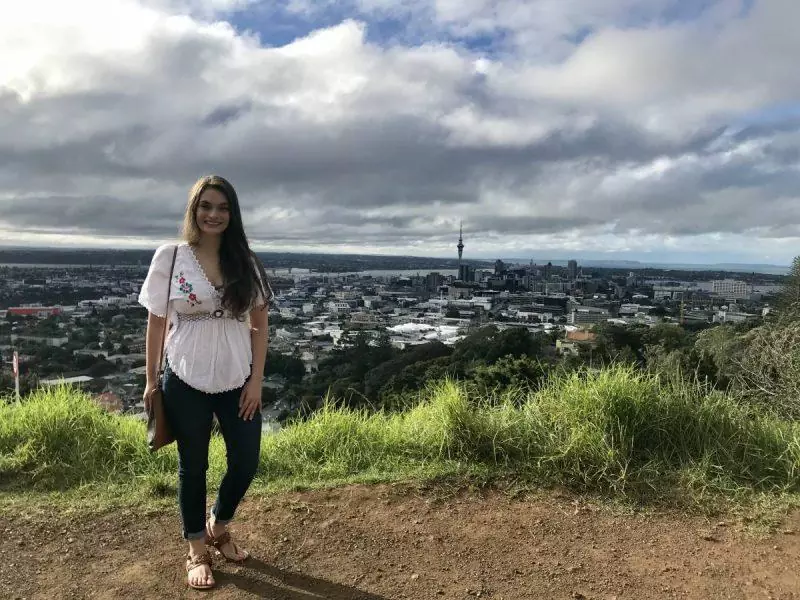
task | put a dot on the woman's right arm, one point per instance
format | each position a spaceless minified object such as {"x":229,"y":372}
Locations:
{"x":154,"y":296}
{"x":153,"y":339}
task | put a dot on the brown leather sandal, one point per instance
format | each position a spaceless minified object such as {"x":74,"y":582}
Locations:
{"x":192,"y":562}
{"x":219,"y":542}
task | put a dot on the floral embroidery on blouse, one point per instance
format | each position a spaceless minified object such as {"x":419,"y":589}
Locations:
{"x":187,"y":288}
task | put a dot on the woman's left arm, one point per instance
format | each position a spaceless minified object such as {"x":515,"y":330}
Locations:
{"x":250,"y":400}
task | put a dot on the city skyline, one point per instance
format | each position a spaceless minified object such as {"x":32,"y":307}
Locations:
{"x":553,"y":130}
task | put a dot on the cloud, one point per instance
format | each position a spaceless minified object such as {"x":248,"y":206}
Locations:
{"x":589,"y":125}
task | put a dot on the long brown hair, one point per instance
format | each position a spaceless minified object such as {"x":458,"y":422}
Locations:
{"x":240,"y":266}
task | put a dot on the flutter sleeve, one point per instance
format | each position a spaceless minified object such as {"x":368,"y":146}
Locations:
{"x":260,"y":301}
{"x":154,"y":294}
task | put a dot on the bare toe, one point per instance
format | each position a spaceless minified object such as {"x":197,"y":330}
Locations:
{"x":199,"y":572}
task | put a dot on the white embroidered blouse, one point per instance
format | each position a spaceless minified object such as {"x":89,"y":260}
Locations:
{"x":210,"y":354}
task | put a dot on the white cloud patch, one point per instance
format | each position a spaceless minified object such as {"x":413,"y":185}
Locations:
{"x":595,"y":128}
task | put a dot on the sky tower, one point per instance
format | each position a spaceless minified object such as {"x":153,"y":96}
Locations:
{"x":460,"y":244}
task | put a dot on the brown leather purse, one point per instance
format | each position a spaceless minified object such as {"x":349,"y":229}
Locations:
{"x":158,"y":430}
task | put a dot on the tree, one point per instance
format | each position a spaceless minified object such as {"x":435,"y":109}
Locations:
{"x":285,"y":365}
{"x":488,"y":344}
{"x":507,"y":372}
{"x":659,"y":311}
{"x":342,"y":373}
{"x":767,"y":368}
{"x":618,"y":343}
{"x":377,"y":378}
{"x":101,"y":369}
{"x":788,"y":301}
{"x":720,"y":346}
{"x":670,"y":337}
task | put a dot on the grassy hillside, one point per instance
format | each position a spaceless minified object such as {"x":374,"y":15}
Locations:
{"x":614,"y":431}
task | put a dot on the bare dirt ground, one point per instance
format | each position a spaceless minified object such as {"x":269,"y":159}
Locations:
{"x":390,"y":542}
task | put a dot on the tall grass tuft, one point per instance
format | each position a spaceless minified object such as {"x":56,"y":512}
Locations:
{"x":618,"y":425}
{"x":615,"y":430}
{"x":58,"y":437}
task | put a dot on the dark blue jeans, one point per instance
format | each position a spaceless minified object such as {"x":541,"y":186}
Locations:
{"x":190,"y":415}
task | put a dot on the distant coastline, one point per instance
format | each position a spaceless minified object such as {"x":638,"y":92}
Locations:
{"x":760,"y":269}
{"x":350,"y":263}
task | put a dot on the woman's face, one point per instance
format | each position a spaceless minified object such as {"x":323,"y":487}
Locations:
{"x":213,"y":212}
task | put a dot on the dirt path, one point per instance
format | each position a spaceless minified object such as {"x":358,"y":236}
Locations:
{"x":386,"y":543}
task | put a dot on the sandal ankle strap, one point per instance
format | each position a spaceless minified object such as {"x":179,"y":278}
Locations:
{"x":221,"y":540}
{"x":193,"y":562}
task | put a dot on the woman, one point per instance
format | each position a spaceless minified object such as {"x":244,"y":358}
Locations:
{"x":216,"y":349}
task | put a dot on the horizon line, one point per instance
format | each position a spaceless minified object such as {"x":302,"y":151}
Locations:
{"x":520,"y":260}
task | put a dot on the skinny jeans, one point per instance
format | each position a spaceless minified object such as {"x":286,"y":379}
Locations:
{"x":190,"y":415}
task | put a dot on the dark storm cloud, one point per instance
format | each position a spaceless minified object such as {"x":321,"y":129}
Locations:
{"x":100,"y":215}
{"x":222,"y":115}
{"x":399,"y":160}
{"x":405,"y":164}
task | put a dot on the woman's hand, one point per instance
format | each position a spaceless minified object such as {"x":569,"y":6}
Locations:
{"x":149,"y":388}
{"x":250,"y":400}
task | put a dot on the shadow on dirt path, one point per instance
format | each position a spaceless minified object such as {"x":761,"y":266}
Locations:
{"x":258,"y":579}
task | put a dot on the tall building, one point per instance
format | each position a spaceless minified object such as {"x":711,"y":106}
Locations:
{"x":466,"y":273}
{"x":583,"y":315}
{"x":460,"y":245}
{"x":731,"y":289}
{"x":572,"y":269}
{"x":433,"y":281}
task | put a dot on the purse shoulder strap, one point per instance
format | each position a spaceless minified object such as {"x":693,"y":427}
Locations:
{"x":166,"y":312}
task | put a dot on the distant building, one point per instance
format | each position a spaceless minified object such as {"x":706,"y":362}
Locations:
{"x":373,"y":302}
{"x":78,"y":380}
{"x":109,"y":401}
{"x":466,"y":273}
{"x":497,"y":283}
{"x":36,"y":311}
{"x":456,"y":291}
{"x":551,"y":287}
{"x":629,"y":309}
{"x":581,"y":335}
{"x":731,"y":289}
{"x":733,"y":316}
{"x":364,"y":320}
{"x":53,"y":342}
{"x":572,"y":269}
{"x":339,"y":308}
{"x":584,"y":315}
{"x":670,"y":292}
{"x":574,"y":340}
{"x":345,"y":295}
{"x":433,"y":281}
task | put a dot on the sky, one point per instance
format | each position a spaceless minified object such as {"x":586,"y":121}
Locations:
{"x":653,"y":130}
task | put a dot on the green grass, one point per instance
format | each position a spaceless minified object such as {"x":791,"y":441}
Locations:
{"x":615,"y":432}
